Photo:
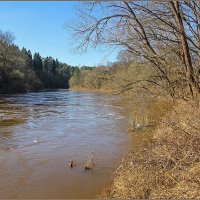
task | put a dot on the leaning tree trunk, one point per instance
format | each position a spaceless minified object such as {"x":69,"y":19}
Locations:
{"x":189,"y":71}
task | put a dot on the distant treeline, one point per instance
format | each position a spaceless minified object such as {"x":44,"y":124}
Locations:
{"x":20,"y":71}
{"x":135,"y":78}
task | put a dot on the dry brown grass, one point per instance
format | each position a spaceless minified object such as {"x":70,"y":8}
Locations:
{"x":170,"y":166}
{"x":148,"y":112}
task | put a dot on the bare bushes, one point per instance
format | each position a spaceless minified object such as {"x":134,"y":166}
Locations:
{"x":92,"y":79}
{"x":118,"y":78}
{"x":170,"y":166}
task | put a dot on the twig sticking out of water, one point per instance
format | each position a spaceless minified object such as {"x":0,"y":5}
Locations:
{"x":90,"y":162}
{"x":71,"y":164}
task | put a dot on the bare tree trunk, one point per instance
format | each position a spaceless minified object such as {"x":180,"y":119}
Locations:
{"x":189,"y":71}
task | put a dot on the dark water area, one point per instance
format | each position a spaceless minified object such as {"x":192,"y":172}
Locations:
{"x":41,"y":132}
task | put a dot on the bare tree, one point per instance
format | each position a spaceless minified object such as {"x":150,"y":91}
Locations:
{"x":166,"y":34}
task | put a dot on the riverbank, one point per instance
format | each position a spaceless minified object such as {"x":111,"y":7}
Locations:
{"x":169,"y":166}
{"x":166,"y":163}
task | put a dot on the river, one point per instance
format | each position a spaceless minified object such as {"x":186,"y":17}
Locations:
{"x":40,"y":133}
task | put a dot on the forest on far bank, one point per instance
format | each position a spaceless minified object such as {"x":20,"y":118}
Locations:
{"x":20,"y":71}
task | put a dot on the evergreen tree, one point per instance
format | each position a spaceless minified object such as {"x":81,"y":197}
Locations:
{"x":53,"y":69}
{"x":28,"y":57}
{"x":46,"y":64}
{"x":37,"y":63}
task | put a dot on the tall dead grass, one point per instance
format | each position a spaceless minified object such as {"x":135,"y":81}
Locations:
{"x":169,"y":167}
{"x":148,"y":112}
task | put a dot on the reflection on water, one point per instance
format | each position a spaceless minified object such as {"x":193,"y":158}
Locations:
{"x":41,"y":132}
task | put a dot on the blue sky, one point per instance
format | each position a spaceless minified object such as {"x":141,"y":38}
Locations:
{"x":39,"y":26}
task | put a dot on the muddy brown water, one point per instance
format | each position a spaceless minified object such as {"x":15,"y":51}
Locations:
{"x":41,"y":132}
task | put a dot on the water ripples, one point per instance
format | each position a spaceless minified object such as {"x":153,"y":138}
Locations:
{"x":40,"y":131}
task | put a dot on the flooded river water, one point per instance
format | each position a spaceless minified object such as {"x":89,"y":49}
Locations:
{"x":41,"y":132}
